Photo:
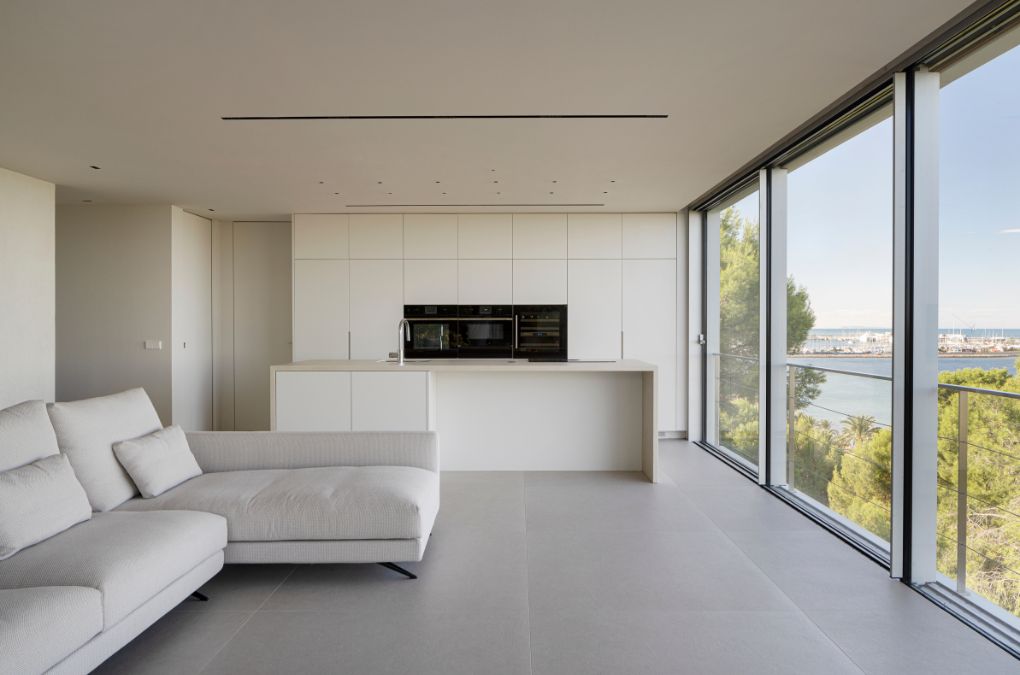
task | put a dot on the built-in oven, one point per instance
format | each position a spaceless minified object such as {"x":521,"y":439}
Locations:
{"x":433,"y":331}
{"x":485,"y":331}
{"x":540,"y":332}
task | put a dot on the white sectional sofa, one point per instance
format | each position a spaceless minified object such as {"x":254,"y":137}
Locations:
{"x":71,"y":600}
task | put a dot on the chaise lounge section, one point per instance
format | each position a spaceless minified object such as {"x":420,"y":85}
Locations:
{"x":70,"y":599}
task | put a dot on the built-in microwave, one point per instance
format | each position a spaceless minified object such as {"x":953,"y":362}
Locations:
{"x":485,"y":331}
{"x":540,"y":332}
{"x":433,"y":331}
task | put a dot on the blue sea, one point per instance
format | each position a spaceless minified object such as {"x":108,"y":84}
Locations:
{"x":845,"y":395}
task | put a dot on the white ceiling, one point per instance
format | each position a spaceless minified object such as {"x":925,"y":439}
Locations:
{"x":138,"y":89}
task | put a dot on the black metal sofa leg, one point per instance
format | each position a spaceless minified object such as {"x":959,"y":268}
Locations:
{"x":399,"y":569}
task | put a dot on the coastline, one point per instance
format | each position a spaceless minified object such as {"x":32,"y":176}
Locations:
{"x":970,"y":355}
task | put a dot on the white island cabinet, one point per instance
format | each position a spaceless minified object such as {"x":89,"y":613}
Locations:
{"x":491,"y":414}
{"x":331,"y":400}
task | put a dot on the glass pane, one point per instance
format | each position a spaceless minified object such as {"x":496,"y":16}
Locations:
{"x":839,"y":302}
{"x":736,"y":364}
{"x":978,"y":517}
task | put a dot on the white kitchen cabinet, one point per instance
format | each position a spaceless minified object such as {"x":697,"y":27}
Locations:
{"x":649,"y":235}
{"x":430,"y":282}
{"x":376,"y":236}
{"x":485,"y":282}
{"x":389,"y":401}
{"x":650,"y":325}
{"x":594,"y":235}
{"x":483,"y":236}
{"x":377,"y":291}
{"x":540,"y":236}
{"x":593,"y":315}
{"x":430,"y":236}
{"x":320,"y":235}
{"x":313,"y":401}
{"x":321,"y":309}
{"x":540,"y":282}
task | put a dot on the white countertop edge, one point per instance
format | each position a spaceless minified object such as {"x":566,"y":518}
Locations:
{"x":472,"y":365}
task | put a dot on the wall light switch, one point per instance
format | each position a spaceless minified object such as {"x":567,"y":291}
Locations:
{"x":154,"y":344}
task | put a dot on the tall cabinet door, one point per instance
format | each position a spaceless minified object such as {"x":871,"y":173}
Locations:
{"x":649,"y":326}
{"x":377,"y":306}
{"x":321,"y":309}
{"x":593,"y":313}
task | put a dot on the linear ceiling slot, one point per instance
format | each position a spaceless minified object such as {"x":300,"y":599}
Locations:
{"x":298,"y":118}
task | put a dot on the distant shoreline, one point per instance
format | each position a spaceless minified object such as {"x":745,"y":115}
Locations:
{"x":972,"y":355}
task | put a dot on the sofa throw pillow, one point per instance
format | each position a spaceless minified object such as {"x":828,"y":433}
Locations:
{"x":159,"y":461}
{"x":86,"y":431}
{"x":25,"y":435}
{"x":37,"y":501}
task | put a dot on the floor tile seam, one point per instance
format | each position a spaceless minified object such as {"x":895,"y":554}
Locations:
{"x":247,"y":619}
{"x":527,"y":574}
{"x":775,"y":584}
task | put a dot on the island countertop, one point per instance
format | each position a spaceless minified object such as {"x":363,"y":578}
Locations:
{"x":471,"y":365}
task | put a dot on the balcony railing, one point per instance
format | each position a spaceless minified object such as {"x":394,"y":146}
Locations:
{"x":978,"y":515}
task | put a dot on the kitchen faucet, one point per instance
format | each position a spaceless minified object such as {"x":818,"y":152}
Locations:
{"x":403,"y":332}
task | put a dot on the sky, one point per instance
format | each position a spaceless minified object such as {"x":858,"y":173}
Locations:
{"x":840,"y":212}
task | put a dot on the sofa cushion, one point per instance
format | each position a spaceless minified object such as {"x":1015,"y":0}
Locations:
{"x":86,"y":431}
{"x":37,"y":501}
{"x":128,"y":557}
{"x":25,"y":434}
{"x":40,"y":627}
{"x":330,"y":503}
{"x":159,"y":461}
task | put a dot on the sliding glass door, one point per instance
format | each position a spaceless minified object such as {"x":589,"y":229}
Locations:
{"x":734,"y":355}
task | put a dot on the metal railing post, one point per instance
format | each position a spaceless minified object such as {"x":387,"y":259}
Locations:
{"x":791,"y":421}
{"x":961,"y":494}
{"x":718,"y":397}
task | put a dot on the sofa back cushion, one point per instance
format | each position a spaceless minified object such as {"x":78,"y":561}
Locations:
{"x":25,"y":434}
{"x":159,"y":461}
{"x":86,"y":431}
{"x":37,"y":501}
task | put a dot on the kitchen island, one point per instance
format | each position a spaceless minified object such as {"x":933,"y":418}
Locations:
{"x":491,"y":414}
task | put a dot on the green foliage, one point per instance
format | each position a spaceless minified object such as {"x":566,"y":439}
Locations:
{"x":993,"y":484}
{"x":860,"y":488}
{"x":739,"y":315}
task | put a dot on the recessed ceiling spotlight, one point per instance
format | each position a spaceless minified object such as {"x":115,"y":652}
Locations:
{"x":437,"y":182}
{"x":444,"y":193}
{"x":379,"y":182}
{"x":495,"y":181}
{"x":213,"y":210}
{"x":93,"y":166}
{"x":322,"y":182}
{"x":556,"y":181}
{"x":87,"y":201}
{"x":336,"y":193}
{"x":389,"y":193}
{"x":552,"y":193}
{"x":605,"y":192}
{"x":491,"y":169}
{"x":612,"y":181}
{"x":499,"y":193}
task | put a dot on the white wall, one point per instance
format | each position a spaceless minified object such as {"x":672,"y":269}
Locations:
{"x":191,"y":320}
{"x":27,"y":331}
{"x":113,"y":294}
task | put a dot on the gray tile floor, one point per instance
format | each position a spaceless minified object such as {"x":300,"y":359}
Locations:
{"x":558,"y":573}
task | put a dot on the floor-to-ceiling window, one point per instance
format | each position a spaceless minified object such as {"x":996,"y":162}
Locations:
{"x":978,"y":514}
{"x":839,"y":301}
{"x":734,"y":353}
